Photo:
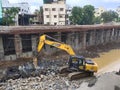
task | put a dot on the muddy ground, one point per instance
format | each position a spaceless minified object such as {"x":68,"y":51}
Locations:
{"x":22,"y":75}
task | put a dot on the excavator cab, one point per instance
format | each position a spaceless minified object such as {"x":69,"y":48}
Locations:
{"x":76,"y":62}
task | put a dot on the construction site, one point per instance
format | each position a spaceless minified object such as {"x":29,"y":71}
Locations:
{"x":31,"y":61}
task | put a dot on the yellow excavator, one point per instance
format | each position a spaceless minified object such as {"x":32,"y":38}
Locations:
{"x":77,"y":66}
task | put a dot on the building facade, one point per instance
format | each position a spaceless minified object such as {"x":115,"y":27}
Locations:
{"x":68,"y":14}
{"x":118,"y":10}
{"x":38,"y":19}
{"x":99,"y":11}
{"x":23,"y":6}
{"x":54,"y":13}
{"x":22,"y":18}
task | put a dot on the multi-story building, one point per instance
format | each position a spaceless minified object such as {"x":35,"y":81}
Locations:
{"x":68,"y":14}
{"x":99,"y":11}
{"x":23,"y":6}
{"x":38,"y":19}
{"x":118,"y":10}
{"x":22,"y":18}
{"x":54,"y":12}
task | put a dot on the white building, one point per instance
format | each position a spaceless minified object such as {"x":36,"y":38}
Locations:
{"x":55,"y":13}
{"x":23,"y":6}
{"x":118,"y":10}
{"x":23,"y":11}
{"x":68,"y":14}
{"x":99,"y":11}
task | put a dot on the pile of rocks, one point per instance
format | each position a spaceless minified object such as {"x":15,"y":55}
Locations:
{"x":43,"y":82}
{"x":45,"y":67}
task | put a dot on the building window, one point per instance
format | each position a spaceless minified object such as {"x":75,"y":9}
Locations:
{"x":60,"y":16}
{"x":48,"y":23}
{"x":61,"y":9}
{"x":8,"y":44}
{"x":55,"y":23}
{"x":53,"y":9}
{"x":55,"y":16}
{"x":46,"y":9}
{"x":26,"y":43}
{"x":47,"y":16}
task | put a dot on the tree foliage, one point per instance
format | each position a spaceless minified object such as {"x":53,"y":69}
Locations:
{"x":9,"y":16}
{"x":97,"y":20}
{"x":76,"y":17}
{"x":83,"y":15}
{"x":109,"y":16}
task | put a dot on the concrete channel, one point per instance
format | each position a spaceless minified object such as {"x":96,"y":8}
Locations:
{"x":17,"y":42}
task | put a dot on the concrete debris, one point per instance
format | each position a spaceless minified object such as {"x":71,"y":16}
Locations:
{"x":108,"y":81}
{"x":92,"y":82}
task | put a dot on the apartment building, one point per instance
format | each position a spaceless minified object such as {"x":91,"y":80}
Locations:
{"x":55,"y":12}
{"x":68,"y":14}
{"x":23,"y":6}
{"x":22,"y":18}
{"x":118,"y":10}
{"x":99,"y":11}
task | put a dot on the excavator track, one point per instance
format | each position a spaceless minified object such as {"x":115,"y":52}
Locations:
{"x":78,"y":75}
{"x":73,"y":75}
{"x":63,"y":71}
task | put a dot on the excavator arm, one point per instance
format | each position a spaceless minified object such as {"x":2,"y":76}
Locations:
{"x":55,"y":43}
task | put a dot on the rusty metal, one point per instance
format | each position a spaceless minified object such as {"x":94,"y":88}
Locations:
{"x":45,"y":29}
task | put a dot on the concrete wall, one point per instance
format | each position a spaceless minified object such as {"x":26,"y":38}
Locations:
{"x":78,"y":40}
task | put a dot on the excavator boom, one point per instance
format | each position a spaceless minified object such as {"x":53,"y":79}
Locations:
{"x":54,"y":43}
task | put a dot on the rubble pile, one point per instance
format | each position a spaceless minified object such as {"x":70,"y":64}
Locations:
{"x":107,"y":81}
{"x":43,"y":82}
{"x":45,"y":77}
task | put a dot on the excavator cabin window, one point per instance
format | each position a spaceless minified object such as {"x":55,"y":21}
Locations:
{"x":78,"y":61}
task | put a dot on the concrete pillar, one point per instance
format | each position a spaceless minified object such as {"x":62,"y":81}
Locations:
{"x":59,"y":36}
{"x":34,"y":44}
{"x":96,"y":37}
{"x":92,"y":37}
{"x":76,"y":41}
{"x":107,"y":36}
{"x":1,"y":49}
{"x":119,"y":35}
{"x":116,"y":34}
{"x":84,"y":40}
{"x":112,"y":35}
{"x":102,"y":36}
{"x":18,"y":45}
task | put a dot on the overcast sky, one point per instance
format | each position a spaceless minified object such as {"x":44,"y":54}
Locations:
{"x":108,"y":4}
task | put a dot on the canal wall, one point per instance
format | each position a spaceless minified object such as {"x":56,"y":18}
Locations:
{"x":15,"y":45}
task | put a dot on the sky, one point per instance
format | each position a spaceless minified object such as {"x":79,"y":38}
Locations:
{"x":108,"y":4}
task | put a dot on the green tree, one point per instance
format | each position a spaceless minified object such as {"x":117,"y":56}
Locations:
{"x":9,"y":16}
{"x":88,"y":14}
{"x":83,"y":15}
{"x":109,"y":16}
{"x":76,"y":17}
{"x":97,"y":20}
